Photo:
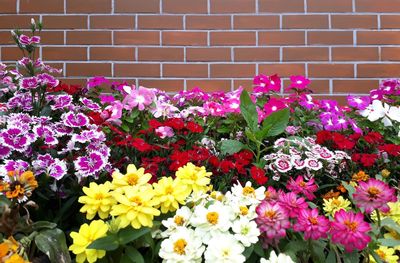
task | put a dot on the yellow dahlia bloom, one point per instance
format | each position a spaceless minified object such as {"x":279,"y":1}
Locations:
{"x":170,"y":193}
{"x":82,"y":239}
{"x":332,"y":205}
{"x":133,"y":177}
{"x":98,"y":200}
{"x":136,"y":206}
{"x":394,"y":212}
{"x":196,"y":178}
{"x":386,"y":254}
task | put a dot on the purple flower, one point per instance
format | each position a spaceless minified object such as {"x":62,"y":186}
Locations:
{"x":57,"y":170}
{"x":61,"y":102}
{"x":25,"y":40}
{"x":97,"y":81}
{"x":10,"y":165}
{"x":42,"y":162}
{"x":21,"y":101}
{"x":358,"y":102}
{"x":330,"y":105}
{"x":4,"y":152}
{"x":46,"y":134}
{"x":106,"y":98}
{"x":47,"y":80}
{"x":71,"y":119}
{"x":91,"y":105}
{"x":164,"y":132}
{"x":89,"y":165}
{"x":330,"y":121}
{"x":376,"y":94}
{"x":15,"y":138}
{"x":29,"y":83}
{"x":61,"y":129}
{"x":306,"y":101}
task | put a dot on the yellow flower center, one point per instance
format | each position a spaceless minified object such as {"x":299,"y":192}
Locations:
{"x":212,"y":217}
{"x":225,"y":252}
{"x":381,"y":254}
{"x":132,"y":179}
{"x":313,"y":220}
{"x":179,"y":220}
{"x":270,"y":214}
{"x":373,"y":192}
{"x":302,"y":184}
{"x":179,"y":246}
{"x":136,"y":200}
{"x":193,"y":176}
{"x":244,"y":210}
{"x":336,"y":202}
{"x":248,"y":190}
{"x":169,"y":190}
{"x":351,"y":225}
{"x":16,"y":190}
{"x":98,"y":196}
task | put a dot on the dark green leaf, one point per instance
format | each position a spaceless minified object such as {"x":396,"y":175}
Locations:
{"x":351,"y":257}
{"x":388,"y":242}
{"x":331,"y":258}
{"x":388,"y":222}
{"x":258,"y":249}
{"x":52,"y":243}
{"x":248,"y":251}
{"x":231,"y":146}
{"x":129,"y":234}
{"x":317,"y":251}
{"x":275,"y":123}
{"x":249,"y":110}
{"x":107,"y":243}
{"x":39,"y":225}
{"x":65,"y":207}
{"x":134,"y":255}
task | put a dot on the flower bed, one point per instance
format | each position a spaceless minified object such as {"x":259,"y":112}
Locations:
{"x":138,"y":175}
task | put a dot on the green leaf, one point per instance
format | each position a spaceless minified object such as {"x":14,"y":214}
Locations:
{"x":331,"y":258}
{"x":107,"y":243}
{"x":249,"y":110}
{"x":65,"y":207}
{"x":39,"y":225}
{"x":351,"y":257}
{"x":258,"y":249}
{"x":134,"y":255}
{"x":388,"y":222}
{"x":231,"y":146}
{"x":129,"y":234}
{"x":248,"y":251}
{"x":275,"y":123}
{"x":125,"y":127}
{"x":389,"y":242}
{"x":350,"y":189}
{"x":52,"y":243}
{"x":375,"y":256}
{"x":317,"y":251}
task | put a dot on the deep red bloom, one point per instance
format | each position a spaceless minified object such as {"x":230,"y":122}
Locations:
{"x":323,"y":137}
{"x":258,"y":174}
{"x":154,"y":123}
{"x":175,"y":123}
{"x":373,"y":138}
{"x":391,"y":149}
{"x":194,"y":127}
{"x":95,"y":118}
{"x":226,"y":166}
{"x":140,"y":145}
{"x":341,"y":142}
{"x":366,"y":159}
{"x":213,"y":160}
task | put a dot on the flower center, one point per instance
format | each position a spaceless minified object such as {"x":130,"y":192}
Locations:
{"x":169,"y":190}
{"x":351,"y":225}
{"x":270,"y":214}
{"x":302,"y":184}
{"x":193,"y":176}
{"x":136,"y":200}
{"x":179,"y":220}
{"x":212,"y":217}
{"x":132,"y":179}
{"x":225,"y":252}
{"x":179,"y":246}
{"x":98,"y":196}
{"x":248,"y":190}
{"x":16,"y":190}
{"x":244,"y":210}
{"x":336,"y":202}
{"x":313,"y":220}
{"x":373,"y":192}
{"x":381,"y":254}
{"x":245,"y":230}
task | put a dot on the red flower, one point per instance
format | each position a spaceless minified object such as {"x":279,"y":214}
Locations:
{"x":175,"y":123}
{"x":154,"y":123}
{"x":366,"y":159}
{"x":341,"y":142}
{"x":140,"y":145}
{"x":213,"y":160}
{"x":374,"y":138}
{"x":194,"y":127}
{"x":258,"y":174}
{"x":323,"y":137}
{"x":95,"y":118}
{"x":226,"y":166}
{"x":391,"y":149}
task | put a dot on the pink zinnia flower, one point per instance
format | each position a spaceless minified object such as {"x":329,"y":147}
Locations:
{"x":291,"y":204}
{"x":139,"y":98}
{"x":272,"y":220}
{"x":350,"y":230}
{"x":374,"y":194}
{"x":273,"y":105}
{"x":271,"y":195}
{"x":300,"y":186}
{"x":299,"y":82}
{"x":313,"y":225}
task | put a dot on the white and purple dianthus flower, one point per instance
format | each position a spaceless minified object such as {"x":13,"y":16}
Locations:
{"x":73,"y":120}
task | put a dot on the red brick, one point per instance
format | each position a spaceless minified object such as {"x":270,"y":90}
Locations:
{"x":65,"y":22}
{"x":283,"y":70}
{"x":112,"y":22}
{"x":390,"y":53}
{"x":354,"y":21}
{"x":5,"y":38}
{"x":342,"y":100}
{"x":390,"y":21}
{"x":186,"y":38}
{"x":388,"y":6}
{"x":378,"y":70}
{"x":11,"y":53}
{"x":232,"y":70}
{"x":232,"y":6}
{"x":305,"y":21}
{"x":137,"y":6}
{"x":41,"y":6}
{"x":354,"y":86}
{"x":89,"y":6}
{"x":64,"y":53}
{"x":247,"y":84}
{"x":137,"y":70}
{"x":160,"y":54}
{"x":281,"y":38}
{"x":318,"y":86}
{"x":256,"y":22}
{"x":168,"y":85}
{"x":52,"y":37}
{"x":257,"y":54}
{"x":160,"y":22}
{"x":281,"y":6}
{"x":185,"y":70}
{"x":329,"y":6}
{"x":88,"y":69}
{"x":331,"y":70}
{"x":232,"y":38}
{"x":378,"y":37}
{"x":305,"y":54}
{"x":355,"y":53}
{"x":208,"y":54}
{"x":209,"y":85}
{"x":74,"y":81}
{"x":330,"y":38}
{"x":184,"y":6}
{"x":112,"y":53}
{"x":16,"y":21}
{"x":136,"y":37}
{"x":8,"y":6}
{"x":88,"y":37}
{"x":208,"y":22}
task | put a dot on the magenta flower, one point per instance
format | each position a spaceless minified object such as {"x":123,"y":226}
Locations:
{"x":105,"y":99}
{"x":89,"y":165}
{"x":376,"y":94}
{"x":272,"y":220}
{"x":97,"y":81}
{"x":313,"y":225}
{"x":266,"y":84}
{"x":4,"y":152}
{"x":25,"y":40}
{"x":139,"y":98}
{"x":46,"y":134}
{"x":61,"y":102}
{"x":299,"y":82}
{"x":57,"y":170}
{"x":273,"y":105}
{"x":15,"y":138}
{"x":374,"y":194}
{"x":306,"y":101}
{"x":164,"y":132}
{"x":29,"y":83}
{"x":299,"y":186}
{"x":71,"y":119}
{"x":358,"y":102}
{"x":91,"y":105}
{"x":291,"y":204}
{"x":47,"y":80}
{"x":350,"y":230}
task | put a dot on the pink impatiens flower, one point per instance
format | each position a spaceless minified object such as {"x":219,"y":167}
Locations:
{"x":299,"y":186}
{"x":374,"y":194}
{"x":299,"y":82}
{"x":139,"y":98}
{"x":273,"y":105}
{"x":350,"y":230}
{"x":265,"y":84}
{"x":313,"y":225}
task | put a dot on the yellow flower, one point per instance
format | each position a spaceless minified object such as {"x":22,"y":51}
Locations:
{"x":98,"y":199}
{"x":332,"y":205}
{"x":15,"y":258}
{"x":196,"y":178}
{"x":394,"y":212}
{"x":385,"y":173}
{"x":170,"y":193}
{"x":136,"y":206}
{"x":360,"y":176}
{"x":18,"y":185}
{"x":386,"y":254}
{"x":133,"y":177}
{"x":82,"y":239}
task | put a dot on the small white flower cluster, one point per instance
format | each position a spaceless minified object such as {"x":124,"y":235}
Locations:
{"x":213,"y":227}
{"x":296,"y":153}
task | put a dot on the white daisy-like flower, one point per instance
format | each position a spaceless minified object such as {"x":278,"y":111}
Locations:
{"x":246,"y":195}
{"x":378,"y":110}
{"x":181,"y":247}
{"x":241,"y":210}
{"x":281,"y":258}
{"x":224,"y":248}
{"x":246,"y":231}
{"x":180,"y":219}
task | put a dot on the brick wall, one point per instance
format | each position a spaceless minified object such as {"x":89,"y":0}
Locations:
{"x":342,"y":45}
